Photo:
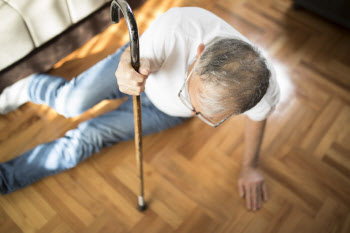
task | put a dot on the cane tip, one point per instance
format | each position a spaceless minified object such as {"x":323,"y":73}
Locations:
{"x":142,"y":207}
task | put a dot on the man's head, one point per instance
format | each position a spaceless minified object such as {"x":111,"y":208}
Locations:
{"x":230,"y":77}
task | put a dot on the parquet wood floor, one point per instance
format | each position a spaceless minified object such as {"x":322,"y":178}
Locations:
{"x":191,"y":170}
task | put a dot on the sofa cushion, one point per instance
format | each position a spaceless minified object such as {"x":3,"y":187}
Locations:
{"x":15,"y":39}
{"x":80,"y":9}
{"x":45,"y":19}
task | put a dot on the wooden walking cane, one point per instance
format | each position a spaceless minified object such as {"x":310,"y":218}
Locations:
{"x":116,"y":7}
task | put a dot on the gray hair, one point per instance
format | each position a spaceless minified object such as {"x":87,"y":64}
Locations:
{"x":234,"y":75}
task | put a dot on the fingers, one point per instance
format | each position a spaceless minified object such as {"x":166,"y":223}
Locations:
{"x":248,"y":196}
{"x":254,"y":194}
{"x":144,"y":67}
{"x":245,"y":191}
{"x":264,"y":192}
{"x":130,"y":81}
{"x":240,"y":189}
{"x":131,"y":90}
{"x":258,"y":196}
{"x":251,"y":186}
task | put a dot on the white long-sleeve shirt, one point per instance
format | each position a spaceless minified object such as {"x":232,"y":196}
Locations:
{"x":170,"y":43}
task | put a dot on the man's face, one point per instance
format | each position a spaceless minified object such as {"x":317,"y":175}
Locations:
{"x":196,"y":86}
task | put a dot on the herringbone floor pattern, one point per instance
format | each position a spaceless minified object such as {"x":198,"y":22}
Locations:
{"x":191,"y":170}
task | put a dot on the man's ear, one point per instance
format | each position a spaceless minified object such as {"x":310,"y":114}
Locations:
{"x":200,"y":49}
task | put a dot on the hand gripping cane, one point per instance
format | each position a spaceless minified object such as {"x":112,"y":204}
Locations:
{"x":116,"y":7}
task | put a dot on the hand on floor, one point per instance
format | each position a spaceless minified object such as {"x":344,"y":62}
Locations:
{"x":251,"y":186}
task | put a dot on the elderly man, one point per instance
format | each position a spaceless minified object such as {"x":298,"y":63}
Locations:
{"x":225,"y":74}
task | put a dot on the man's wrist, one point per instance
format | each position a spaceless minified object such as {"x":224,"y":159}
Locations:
{"x":250,"y":164}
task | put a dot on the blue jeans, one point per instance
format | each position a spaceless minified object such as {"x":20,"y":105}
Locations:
{"x":71,"y":98}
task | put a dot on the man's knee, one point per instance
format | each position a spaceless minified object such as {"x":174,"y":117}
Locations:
{"x":71,"y":107}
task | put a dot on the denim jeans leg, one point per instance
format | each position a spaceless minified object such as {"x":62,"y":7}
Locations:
{"x":71,"y":98}
{"x":78,"y":144}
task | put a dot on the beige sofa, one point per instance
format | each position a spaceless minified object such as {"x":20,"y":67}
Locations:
{"x":36,"y":34}
{"x":28,"y":24}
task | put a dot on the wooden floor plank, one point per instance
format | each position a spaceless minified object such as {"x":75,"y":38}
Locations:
{"x":191,"y":170}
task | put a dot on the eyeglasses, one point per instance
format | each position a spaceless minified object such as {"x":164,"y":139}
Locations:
{"x":186,"y":100}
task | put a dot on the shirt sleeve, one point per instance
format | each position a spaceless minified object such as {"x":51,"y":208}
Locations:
{"x":268,"y":103}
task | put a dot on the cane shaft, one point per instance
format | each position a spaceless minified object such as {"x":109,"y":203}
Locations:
{"x":138,"y":139}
